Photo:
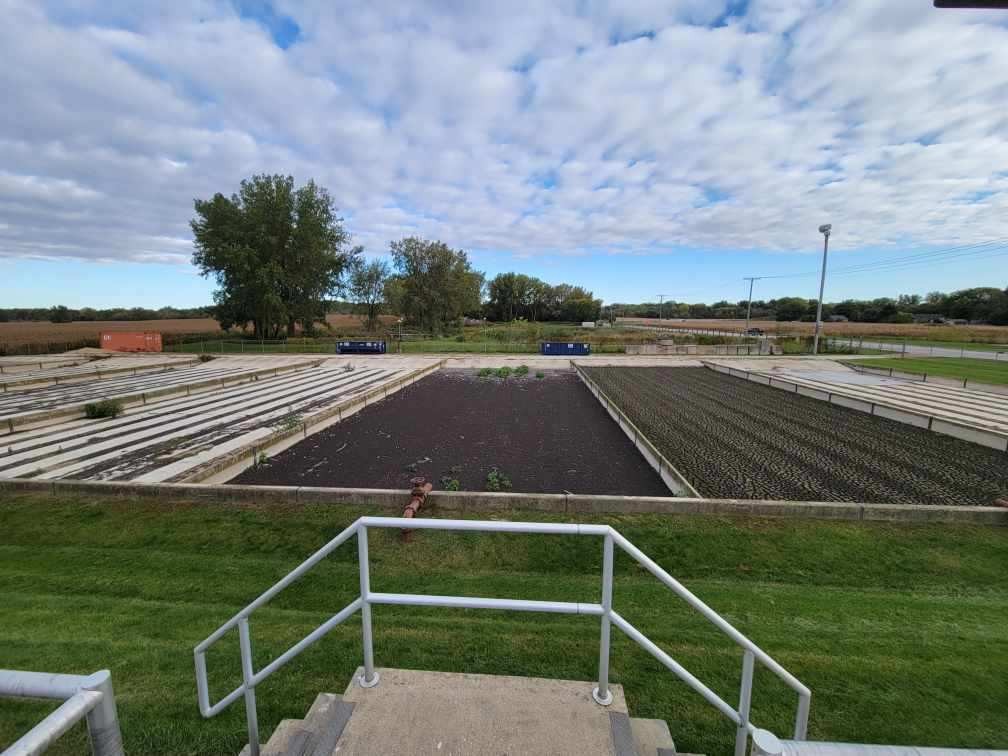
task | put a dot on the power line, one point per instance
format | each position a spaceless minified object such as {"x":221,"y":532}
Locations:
{"x":978,"y":249}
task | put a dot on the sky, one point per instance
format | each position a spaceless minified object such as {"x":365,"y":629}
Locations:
{"x":638,"y":148}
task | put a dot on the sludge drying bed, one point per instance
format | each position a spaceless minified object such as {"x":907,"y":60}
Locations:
{"x":547,"y":435}
{"x":735,"y":439}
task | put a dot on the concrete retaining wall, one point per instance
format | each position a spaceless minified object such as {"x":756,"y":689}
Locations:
{"x":737,"y":350}
{"x":454,"y":503}
{"x":672,"y":478}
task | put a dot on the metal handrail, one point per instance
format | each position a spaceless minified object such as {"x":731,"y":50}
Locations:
{"x":608,"y":616}
{"x":83,"y":696}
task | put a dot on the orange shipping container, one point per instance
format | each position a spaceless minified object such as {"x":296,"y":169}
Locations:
{"x":148,"y":341}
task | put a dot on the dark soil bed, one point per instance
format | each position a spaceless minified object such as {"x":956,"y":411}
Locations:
{"x":548,"y":435}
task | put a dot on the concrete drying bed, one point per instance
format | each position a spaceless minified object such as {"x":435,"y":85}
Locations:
{"x":736,"y":439}
{"x":969,"y":414}
{"x":45,"y":405}
{"x":546,"y":435}
{"x":194,"y":437}
{"x":93,"y":369}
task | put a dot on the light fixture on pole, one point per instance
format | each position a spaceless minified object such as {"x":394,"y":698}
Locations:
{"x":748,"y":312}
{"x":825,"y":231}
{"x":661,"y":299}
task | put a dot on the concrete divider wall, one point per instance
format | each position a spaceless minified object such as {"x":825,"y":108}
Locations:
{"x":454,"y":503}
{"x":672,"y":478}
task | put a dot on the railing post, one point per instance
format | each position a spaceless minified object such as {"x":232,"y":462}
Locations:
{"x":765,"y":743}
{"x":801,"y":717}
{"x":602,"y":694}
{"x":251,"y":717}
{"x":745,"y":698}
{"x":103,"y":720}
{"x":370,"y":678}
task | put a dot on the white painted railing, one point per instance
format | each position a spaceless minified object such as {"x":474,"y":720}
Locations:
{"x":739,"y":715}
{"x":83,"y":696}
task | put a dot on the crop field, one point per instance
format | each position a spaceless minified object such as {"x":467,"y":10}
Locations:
{"x":48,"y":336}
{"x":184,"y":438}
{"x":37,"y":337}
{"x":931,"y":333}
{"x":735,"y":439}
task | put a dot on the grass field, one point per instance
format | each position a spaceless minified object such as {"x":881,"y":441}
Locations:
{"x":898,"y":630}
{"x":982,"y":371}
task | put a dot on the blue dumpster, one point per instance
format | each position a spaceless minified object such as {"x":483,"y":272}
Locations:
{"x":360,"y":347}
{"x":564,"y":348}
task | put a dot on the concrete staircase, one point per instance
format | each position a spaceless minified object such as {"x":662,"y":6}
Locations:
{"x":448,"y":714}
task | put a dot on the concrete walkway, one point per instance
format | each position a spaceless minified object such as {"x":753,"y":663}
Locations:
{"x":412,"y":712}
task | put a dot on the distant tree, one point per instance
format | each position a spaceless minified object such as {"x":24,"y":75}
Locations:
{"x":60,"y":314}
{"x":367,"y":287}
{"x":791,"y":308}
{"x":277,"y":252}
{"x":434,"y":285}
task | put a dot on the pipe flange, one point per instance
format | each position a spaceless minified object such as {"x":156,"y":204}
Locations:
{"x":602,"y":701}
{"x":364,"y":683}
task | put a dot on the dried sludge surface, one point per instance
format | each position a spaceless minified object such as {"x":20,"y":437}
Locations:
{"x":548,"y":435}
{"x":732,"y":438}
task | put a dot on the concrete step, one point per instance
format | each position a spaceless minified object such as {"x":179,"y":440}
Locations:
{"x":652,"y":737}
{"x":449,"y":714}
{"x":315,"y":735}
{"x":413,"y":712}
{"x":278,"y":740}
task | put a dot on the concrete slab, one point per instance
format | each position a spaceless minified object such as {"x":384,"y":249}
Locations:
{"x":449,"y":714}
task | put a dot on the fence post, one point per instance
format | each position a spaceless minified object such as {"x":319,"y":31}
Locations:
{"x":370,"y":678}
{"x":250,"y":699}
{"x":602,"y":694}
{"x":103,"y":720}
{"x":745,"y":699}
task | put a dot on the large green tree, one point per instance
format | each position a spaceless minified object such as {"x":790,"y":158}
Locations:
{"x":278,"y":253}
{"x":367,"y":288}
{"x":433,"y":285}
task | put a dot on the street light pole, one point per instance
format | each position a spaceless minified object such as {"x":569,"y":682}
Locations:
{"x":825,"y":231}
{"x":661,"y":301}
{"x":748,"y":312}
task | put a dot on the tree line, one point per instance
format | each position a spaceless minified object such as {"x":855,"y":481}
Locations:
{"x":63,"y":314}
{"x":975,"y":305}
{"x":281,"y":258}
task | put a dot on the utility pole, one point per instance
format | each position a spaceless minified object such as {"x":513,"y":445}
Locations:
{"x":748,"y":312}
{"x":825,"y":231}
{"x":661,"y":300}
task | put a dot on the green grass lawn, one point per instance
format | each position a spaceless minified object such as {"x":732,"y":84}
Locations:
{"x":898,"y":630}
{"x":982,"y":371}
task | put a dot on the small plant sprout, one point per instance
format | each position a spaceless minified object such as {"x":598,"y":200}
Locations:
{"x":497,"y":481}
{"x":103,"y":408}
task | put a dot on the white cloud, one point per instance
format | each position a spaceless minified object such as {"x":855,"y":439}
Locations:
{"x":625,"y":126}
